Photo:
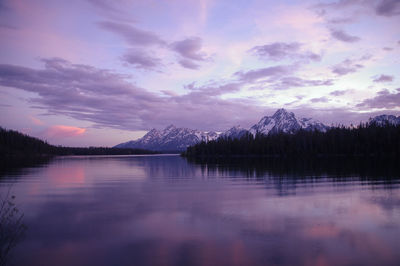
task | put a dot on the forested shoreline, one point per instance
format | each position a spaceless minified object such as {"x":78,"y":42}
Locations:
{"x":16,"y":144}
{"x":363,"y":140}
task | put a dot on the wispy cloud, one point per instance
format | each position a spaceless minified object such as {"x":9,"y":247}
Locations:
{"x":107,"y":100}
{"x":339,"y":92}
{"x":279,"y":51}
{"x":114,"y":10}
{"x":384,"y":78}
{"x":349,"y":65}
{"x":190,"y":51}
{"x":384,"y":99}
{"x":134,"y":36}
{"x":141,"y":59}
{"x":388,"y":8}
{"x":267,"y":72}
{"x":343,"y":36}
{"x":290,"y":82}
{"x":319,"y":100}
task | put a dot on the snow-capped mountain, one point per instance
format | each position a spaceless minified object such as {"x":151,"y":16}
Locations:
{"x":287,"y":122}
{"x":382,"y":120}
{"x":169,"y":139}
{"x":235,"y":132}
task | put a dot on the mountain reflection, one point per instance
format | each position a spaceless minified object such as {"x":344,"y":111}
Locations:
{"x":165,"y":210}
{"x":337,"y":168}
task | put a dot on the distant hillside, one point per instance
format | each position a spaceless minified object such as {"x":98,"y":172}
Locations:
{"x":14,"y":143}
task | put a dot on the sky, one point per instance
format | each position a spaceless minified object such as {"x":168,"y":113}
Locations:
{"x":102,"y":72}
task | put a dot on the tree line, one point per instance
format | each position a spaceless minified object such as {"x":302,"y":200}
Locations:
{"x":14,"y":143}
{"x":367,"y":139}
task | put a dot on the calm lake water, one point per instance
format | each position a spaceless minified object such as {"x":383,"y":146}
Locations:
{"x":165,"y":210}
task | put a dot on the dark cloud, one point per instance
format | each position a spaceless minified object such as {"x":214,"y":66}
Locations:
{"x":131,"y":34}
{"x":106,"y":99}
{"x":190,"y":52}
{"x":279,"y":50}
{"x":384,"y":99}
{"x":384,"y":78}
{"x":388,"y":8}
{"x":141,"y":59}
{"x":319,"y":100}
{"x":387,"y":48}
{"x":343,"y":36}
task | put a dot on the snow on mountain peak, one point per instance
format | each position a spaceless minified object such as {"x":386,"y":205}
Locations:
{"x":382,"y":120}
{"x":234,"y":132}
{"x":170,"y":138}
{"x":284,"y":121}
{"x":177,"y":139}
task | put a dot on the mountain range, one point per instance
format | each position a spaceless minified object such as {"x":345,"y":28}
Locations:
{"x":382,"y":120}
{"x":178,"y":139}
{"x":169,"y":139}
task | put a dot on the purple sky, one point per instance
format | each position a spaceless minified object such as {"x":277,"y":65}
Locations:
{"x":100,"y":72}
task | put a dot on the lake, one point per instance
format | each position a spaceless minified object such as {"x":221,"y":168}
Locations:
{"x":167,"y":210}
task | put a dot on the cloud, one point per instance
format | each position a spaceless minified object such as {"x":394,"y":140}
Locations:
{"x":268,"y":72}
{"x":384,"y":78}
{"x":339,"y":92}
{"x":188,"y":64}
{"x":215,"y":89}
{"x":348,"y":66}
{"x":279,"y":50}
{"x":343,"y":69}
{"x":60,"y":131}
{"x":343,"y":36}
{"x":341,"y":20}
{"x":319,"y":100}
{"x":278,"y":78}
{"x":131,"y":34}
{"x":109,"y":9}
{"x":190,"y":51}
{"x":189,"y":48}
{"x":107,"y":99}
{"x":384,"y":99}
{"x":289,"y":82}
{"x":141,"y":59}
{"x":388,"y":8}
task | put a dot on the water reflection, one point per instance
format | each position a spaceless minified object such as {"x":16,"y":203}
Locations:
{"x":364,"y":168}
{"x":164,"y":210}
